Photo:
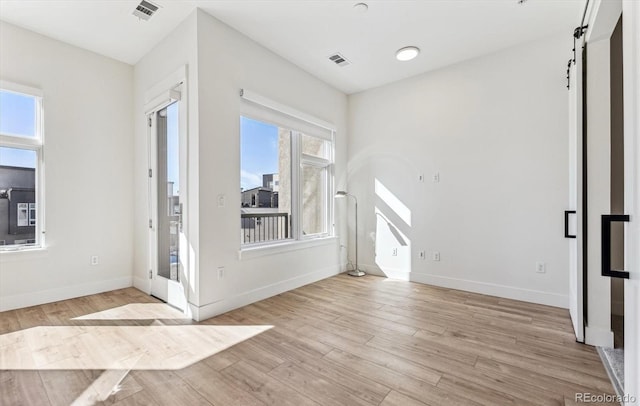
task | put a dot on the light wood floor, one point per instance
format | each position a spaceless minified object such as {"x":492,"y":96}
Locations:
{"x":340,"y":341}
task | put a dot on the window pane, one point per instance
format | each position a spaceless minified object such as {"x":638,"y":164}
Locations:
{"x":315,"y":146}
{"x":17,"y":114}
{"x":265,"y":182}
{"x":20,"y":158}
{"x":17,"y":196}
{"x":313,"y":200}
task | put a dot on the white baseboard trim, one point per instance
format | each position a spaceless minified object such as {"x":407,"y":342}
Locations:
{"x":207,"y":311}
{"x":388,"y":273}
{"x":68,"y":292}
{"x":508,"y":292}
{"x":598,"y":336}
{"x":142,"y":284}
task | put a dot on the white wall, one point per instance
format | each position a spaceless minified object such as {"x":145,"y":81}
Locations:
{"x":494,"y":128}
{"x":229,"y":61}
{"x":220,"y":62}
{"x":175,"y":51}
{"x":88,"y":149}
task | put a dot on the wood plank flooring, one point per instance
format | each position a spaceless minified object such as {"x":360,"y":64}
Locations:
{"x":340,"y":341}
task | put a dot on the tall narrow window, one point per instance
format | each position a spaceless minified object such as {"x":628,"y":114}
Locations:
{"x":265,"y":182}
{"x":21,"y":146}
{"x":315,"y":162}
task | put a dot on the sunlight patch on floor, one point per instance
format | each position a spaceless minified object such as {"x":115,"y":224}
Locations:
{"x":118,"y":347}
{"x":137,"y":311}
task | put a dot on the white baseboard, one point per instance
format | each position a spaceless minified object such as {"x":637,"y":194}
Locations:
{"x":598,"y":336}
{"x":213,"y":309}
{"x":388,"y":273}
{"x":64,"y":293}
{"x":508,"y":292}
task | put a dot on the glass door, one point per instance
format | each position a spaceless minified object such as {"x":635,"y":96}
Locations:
{"x":168,"y":186}
{"x":167,"y":182}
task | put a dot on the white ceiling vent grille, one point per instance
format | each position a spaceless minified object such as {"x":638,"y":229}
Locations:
{"x":145,"y":10}
{"x":339,"y":60}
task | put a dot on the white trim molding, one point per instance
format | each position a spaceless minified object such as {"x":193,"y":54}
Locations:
{"x":492,"y":289}
{"x":70,"y":292}
{"x":507,"y":292}
{"x":398,"y":274}
{"x":207,"y":311}
{"x":20,"y":88}
{"x":256,"y":251}
{"x":284,"y":109}
{"x":598,"y":337}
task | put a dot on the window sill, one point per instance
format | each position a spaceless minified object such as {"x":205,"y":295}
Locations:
{"x":17,"y":254}
{"x":273,"y":249}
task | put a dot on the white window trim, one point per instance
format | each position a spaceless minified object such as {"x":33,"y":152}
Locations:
{"x":34,"y":144}
{"x":286,"y":110}
{"x":297,"y":160}
{"x":256,"y":251}
{"x":328,"y":164}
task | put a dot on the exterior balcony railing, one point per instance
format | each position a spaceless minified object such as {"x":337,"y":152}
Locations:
{"x":263,"y":227}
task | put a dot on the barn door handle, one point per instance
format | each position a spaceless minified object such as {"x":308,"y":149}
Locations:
{"x":607,"y":219}
{"x":566,"y":223}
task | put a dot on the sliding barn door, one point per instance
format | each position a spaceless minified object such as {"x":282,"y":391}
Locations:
{"x":573,"y":217}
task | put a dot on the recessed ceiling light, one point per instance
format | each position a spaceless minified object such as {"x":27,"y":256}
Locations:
{"x":361,"y":8}
{"x":407,"y":53}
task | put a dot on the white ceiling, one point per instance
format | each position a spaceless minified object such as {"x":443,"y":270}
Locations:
{"x":306,"y":32}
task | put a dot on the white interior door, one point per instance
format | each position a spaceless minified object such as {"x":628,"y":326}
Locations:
{"x":573,"y":217}
{"x":168,"y":248}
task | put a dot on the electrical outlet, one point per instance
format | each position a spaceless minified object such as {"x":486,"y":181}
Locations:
{"x":541,"y":267}
{"x":221,"y":272}
{"x":222,"y":200}
{"x":436,"y":256}
{"x":422,"y":255}
{"x":436,"y":177}
{"x":94,"y":260}
{"x":394,"y":252}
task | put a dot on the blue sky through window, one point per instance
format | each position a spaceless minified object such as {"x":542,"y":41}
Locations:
{"x":17,"y":117}
{"x":259,"y":151}
{"x":22,"y":158}
{"x":17,"y":114}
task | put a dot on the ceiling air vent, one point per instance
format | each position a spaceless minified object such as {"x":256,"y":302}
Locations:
{"x":339,"y":60}
{"x":145,"y":10}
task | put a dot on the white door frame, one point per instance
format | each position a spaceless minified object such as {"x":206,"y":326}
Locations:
{"x":171,"y":90}
{"x":631,"y":66}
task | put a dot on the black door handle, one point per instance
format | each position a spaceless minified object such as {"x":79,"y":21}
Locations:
{"x":607,"y":219}
{"x":566,"y":223}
